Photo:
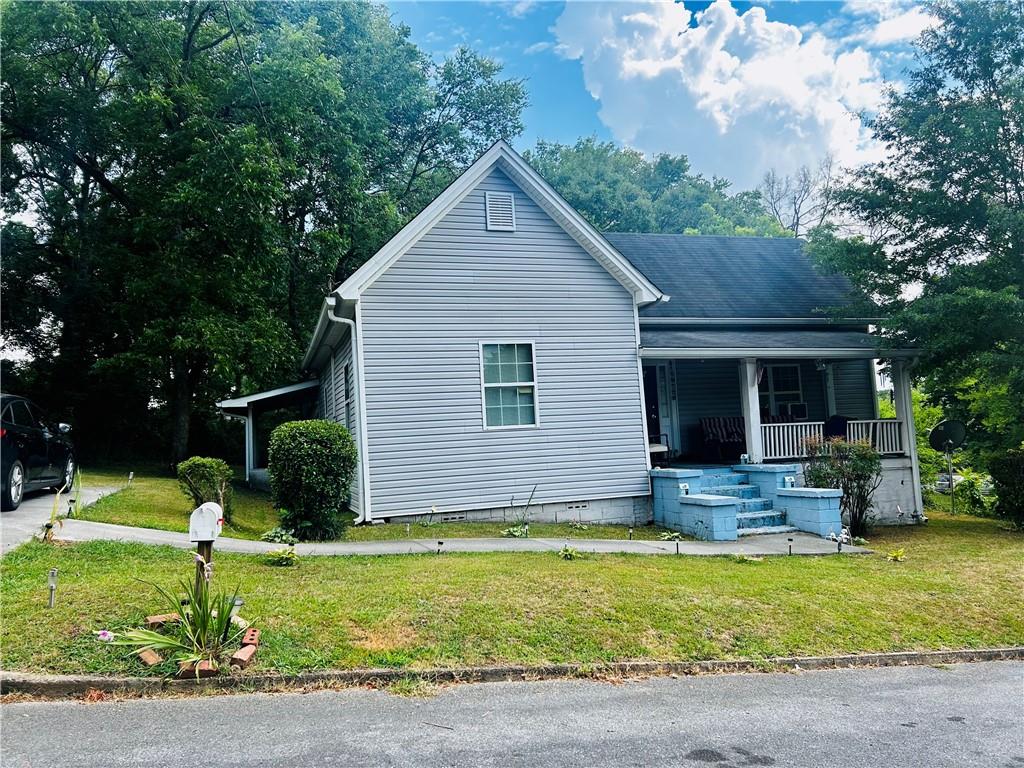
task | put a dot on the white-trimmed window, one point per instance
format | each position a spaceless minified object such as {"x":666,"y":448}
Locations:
{"x":780,"y":387}
{"x":509,"y":384}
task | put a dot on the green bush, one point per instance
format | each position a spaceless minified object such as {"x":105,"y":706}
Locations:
{"x":855,"y":468}
{"x":311,"y":466}
{"x":203,"y":479}
{"x":1007,"y":472}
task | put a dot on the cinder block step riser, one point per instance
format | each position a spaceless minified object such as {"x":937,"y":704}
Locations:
{"x":725,"y":478}
{"x":756,"y":505}
{"x":739,"y":491}
{"x":755,"y":520}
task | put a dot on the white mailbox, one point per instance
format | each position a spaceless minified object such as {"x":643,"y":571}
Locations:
{"x":205,"y":523}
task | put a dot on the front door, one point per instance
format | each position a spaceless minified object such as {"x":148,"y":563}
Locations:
{"x":658,"y":400}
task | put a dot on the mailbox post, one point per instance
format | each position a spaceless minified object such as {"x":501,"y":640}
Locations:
{"x":204,"y":526}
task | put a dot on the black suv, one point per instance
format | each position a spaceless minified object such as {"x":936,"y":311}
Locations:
{"x":34,"y":453}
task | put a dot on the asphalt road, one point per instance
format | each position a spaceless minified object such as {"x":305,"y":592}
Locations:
{"x":965,"y":715}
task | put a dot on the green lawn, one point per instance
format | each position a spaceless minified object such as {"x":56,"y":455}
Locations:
{"x":958,"y":588}
{"x":155,"y":501}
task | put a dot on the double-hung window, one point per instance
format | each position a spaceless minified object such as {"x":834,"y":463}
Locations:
{"x":509,"y":385}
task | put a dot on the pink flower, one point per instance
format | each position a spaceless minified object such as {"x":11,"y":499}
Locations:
{"x":105,"y":636}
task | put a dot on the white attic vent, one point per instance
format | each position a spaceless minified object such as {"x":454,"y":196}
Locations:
{"x":501,"y":211}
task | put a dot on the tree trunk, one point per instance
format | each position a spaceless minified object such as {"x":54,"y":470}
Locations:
{"x":180,"y":402}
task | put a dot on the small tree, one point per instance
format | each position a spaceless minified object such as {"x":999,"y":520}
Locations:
{"x":854,"y":468}
{"x":311,"y":466}
{"x":1008,"y":478}
{"x":203,"y":479}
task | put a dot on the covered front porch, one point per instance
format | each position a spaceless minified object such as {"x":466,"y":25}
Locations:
{"x":722,"y":396}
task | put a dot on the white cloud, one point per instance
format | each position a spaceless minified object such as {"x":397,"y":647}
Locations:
{"x":734,"y":91}
{"x":538,"y":48}
{"x":521,"y":8}
{"x":889,"y":23}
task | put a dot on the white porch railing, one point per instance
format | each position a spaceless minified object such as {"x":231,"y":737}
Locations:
{"x":788,"y":441}
{"x":885,"y":435}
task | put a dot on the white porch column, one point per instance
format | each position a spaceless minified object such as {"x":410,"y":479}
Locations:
{"x":751,"y":409}
{"x":250,"y":447}
{"x":908,"y":433}
{"x":830,"y":390}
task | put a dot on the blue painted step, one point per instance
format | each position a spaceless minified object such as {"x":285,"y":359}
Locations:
{"x":764,"y":519}
{"x":725,"y":477}
{"x":739,"y":491}
{"x":756,"y":505}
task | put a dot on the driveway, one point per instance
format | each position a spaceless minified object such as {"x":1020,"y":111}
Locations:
{"x":26,"y":521}
{"x":965,"y":715}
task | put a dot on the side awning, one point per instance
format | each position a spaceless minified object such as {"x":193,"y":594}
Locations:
{"x":781,"y":343}
{"x":282,"y":397}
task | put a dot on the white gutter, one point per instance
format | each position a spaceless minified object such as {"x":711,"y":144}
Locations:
{"x":835,"y":353}
{"x":758,"y":321}
{"x":357,"y":369}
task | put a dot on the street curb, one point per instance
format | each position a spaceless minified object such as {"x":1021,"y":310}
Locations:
{"x":73,"y":686}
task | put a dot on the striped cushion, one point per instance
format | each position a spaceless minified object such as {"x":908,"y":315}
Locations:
{"x":723,"y":429}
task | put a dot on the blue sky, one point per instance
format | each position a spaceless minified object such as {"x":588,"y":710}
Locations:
{"x":737,"y":87}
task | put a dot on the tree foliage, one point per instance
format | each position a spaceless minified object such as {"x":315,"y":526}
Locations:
{"x":621,"y":190}
{"x":943,"y":259}
{"x":183,"y":180}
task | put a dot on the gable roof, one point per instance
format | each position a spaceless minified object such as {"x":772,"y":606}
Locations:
{"x":502,"y":156}
{"x":732,"y":277}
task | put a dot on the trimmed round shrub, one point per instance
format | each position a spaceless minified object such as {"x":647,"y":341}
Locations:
{"x":311,"y":465}
{"x":203,"y":479}
{"x":1007,"y":472}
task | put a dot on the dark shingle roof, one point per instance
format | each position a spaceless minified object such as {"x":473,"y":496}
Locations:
{"x":731,"y":277}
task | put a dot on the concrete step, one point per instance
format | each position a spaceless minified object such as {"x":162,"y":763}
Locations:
{"x":761,"y":519}
{"x":766,"y":530}
{"x":724,"y":477}
{"x":739,"y":491}
{"x":756,"y":504}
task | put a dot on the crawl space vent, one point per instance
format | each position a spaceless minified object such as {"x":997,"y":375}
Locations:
{"x":501,"y":211}
{"x":453,"y":517}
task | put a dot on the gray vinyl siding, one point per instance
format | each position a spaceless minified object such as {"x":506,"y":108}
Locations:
{"x":855,"y":395}
{"x":704,"y":388}
{"x":423,"y":321}
{"x":712,"y":388}
{"x":336,"y":402}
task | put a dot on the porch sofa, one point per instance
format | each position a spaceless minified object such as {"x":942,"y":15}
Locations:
{"x":724,"y":437}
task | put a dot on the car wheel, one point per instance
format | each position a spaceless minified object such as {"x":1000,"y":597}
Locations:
{"x":14,"y":488}
{"x":69,"y":472}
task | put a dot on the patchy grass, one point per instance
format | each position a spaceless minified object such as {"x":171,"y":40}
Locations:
{"x":392,"y":531}
{"x":155,"y":501}
{"x":959,"y":587}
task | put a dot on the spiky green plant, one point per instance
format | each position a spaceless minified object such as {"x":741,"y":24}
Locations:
{"x":203,"y":632}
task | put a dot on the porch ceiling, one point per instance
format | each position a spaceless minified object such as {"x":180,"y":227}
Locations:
{"x":784,"y":343}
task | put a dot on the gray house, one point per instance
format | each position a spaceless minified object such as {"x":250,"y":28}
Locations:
{"x":500,"y":347}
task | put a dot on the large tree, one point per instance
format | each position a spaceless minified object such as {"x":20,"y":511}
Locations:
{"x":944,"y":257}
{"x":621,"y":190}
{"x":183,"y":180}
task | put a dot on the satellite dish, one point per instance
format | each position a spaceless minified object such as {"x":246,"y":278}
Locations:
{"x":947,"y":436}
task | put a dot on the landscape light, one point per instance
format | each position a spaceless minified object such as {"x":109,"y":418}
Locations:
{"x":51,"y":581}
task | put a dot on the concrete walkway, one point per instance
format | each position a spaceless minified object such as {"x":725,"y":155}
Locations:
{"x":773,"y":544}
{"x":21,"y":524}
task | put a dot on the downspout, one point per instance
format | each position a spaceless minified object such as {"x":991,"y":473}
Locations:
{"x":364,"y":467}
